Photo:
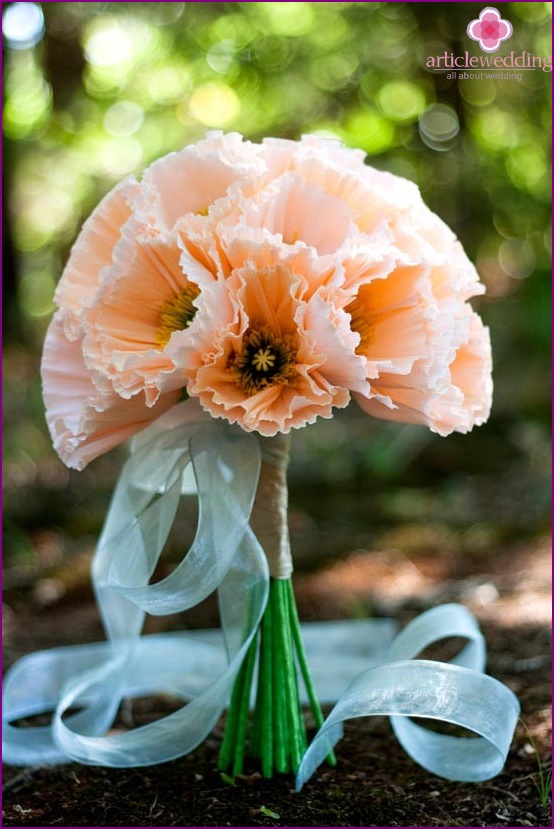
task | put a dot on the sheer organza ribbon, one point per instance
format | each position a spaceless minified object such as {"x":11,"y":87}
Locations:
{"x":84,"y":685}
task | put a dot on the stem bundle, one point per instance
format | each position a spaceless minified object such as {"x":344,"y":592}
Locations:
{"x":276,"y":735}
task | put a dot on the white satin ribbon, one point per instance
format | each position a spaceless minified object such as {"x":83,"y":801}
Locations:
{"x":197,"y":668}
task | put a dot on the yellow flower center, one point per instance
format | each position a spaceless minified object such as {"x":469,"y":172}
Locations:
{"x":265,"y":360}
{"x":360,"y":323}
{"x":176,"y":314}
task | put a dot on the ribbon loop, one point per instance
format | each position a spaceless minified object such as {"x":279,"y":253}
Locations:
{"x":443,"y":622}
{"x":225,"y":555}
{"x":456,"y":692}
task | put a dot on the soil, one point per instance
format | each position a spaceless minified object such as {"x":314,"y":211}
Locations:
{"x":375,"y":782}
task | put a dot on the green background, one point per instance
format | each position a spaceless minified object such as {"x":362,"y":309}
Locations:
{"x":112,"y":86}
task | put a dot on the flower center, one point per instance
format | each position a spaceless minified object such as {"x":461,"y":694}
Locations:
{"x":176,"y":314}
{"x":360,"y":323}
{"x":265,"y":360}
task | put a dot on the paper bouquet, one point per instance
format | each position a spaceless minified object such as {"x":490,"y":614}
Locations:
{"x":238,"y":292}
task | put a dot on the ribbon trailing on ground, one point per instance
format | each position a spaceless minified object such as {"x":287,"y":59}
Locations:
{"x":84,"y":685}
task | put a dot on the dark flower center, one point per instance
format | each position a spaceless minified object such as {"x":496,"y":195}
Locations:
{"x":265,"y":360}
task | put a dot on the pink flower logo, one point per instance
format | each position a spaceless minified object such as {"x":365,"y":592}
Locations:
{"x":489,"y":30}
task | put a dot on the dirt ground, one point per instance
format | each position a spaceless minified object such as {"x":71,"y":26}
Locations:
{"x":375,"y":782}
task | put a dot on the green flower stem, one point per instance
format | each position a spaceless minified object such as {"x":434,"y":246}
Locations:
{"x":243,"y":707}
{"x":296,"y":728}
{"x":261,"y":741}
{"x":278,"y":734}
{"x":280,"y":729}
{"x":229,"y":738}
{"x":266,"y":673}
{"x":255,"y":746}
{"x":303,"y":662}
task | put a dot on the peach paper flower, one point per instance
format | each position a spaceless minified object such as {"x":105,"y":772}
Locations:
{"x":270,"y":282}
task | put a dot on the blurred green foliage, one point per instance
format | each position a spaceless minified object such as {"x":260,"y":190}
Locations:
{"x":108,"y":87}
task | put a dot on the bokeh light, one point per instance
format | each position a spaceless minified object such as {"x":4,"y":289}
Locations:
{"x":123,"y":118}
{"x":370,"y":131}
{"x":214,"y":104}
{"x":168,"y":84}
{"x":439,"y":127}
{"x":517,"y":258}
{"x":289,"y":19}
{"x":401,"y":100}
{"x":22,"y":25}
